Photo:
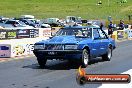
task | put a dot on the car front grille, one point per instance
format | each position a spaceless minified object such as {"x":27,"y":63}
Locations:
{"x":54,"y":47}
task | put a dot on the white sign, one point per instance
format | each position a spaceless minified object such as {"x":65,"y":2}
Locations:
{"x":5,"y":50}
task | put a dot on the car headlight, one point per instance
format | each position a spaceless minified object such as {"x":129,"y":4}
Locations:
{"x":39,"y":46}
{"x":70,"y":47}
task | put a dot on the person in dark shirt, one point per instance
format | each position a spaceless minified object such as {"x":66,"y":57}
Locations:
{"x":110,"y":29}
{"x":101,"y":25}
{"x":121,"y":25}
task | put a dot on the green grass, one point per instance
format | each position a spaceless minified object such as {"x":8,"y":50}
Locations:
{"x":87,"y":9}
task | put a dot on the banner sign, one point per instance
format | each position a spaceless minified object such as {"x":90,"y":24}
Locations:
{"x":27,"y":33}
{"x":129,"y":33}
{"x":19,"y":33}
{"x":120,"y":34}
{"x":8,"y":34}
{"x":11,"y":34}
{"x":45,"y":32}
{"x":5,"y":50}
{"x":23,"y":33}
{"x":3,"y":35}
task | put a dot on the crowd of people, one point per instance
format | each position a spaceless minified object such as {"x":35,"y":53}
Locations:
{"x":121,"y":26}
{"x":111,"y":27}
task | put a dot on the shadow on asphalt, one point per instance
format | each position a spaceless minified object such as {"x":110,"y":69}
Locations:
{"x":61,"y":65}
{"x":95,"y":60}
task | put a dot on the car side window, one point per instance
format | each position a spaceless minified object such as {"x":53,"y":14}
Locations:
{"x":89,"y":32}
{"x":16,"y":23}
{"x":8,"y":22}
{"x":96,"y":34}
{"x":102,"y":34}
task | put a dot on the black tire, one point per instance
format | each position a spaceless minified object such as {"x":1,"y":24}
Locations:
{"x":108,"y":55}
{"x":42,"y":62}
{"x":85,"y":58}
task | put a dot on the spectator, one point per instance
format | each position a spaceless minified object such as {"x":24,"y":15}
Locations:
{"x":101,"y":25}
{"x":121,"y":25}
{"x":110,"y":29}
{"x":110,"y":26}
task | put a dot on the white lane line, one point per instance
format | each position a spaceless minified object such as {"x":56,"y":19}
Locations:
{"x":129,"y":85}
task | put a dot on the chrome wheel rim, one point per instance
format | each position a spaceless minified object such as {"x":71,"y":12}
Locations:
{"x":85,"y":57}
{"x":109,"y":54}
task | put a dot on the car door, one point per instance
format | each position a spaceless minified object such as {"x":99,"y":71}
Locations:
{"x":104,"y":41}
{"x":95,"y":43}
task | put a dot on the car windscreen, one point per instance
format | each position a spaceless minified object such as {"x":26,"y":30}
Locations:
{"x":77,"y":32}
{"x":22,"y":23}
{"x":2,"y":21}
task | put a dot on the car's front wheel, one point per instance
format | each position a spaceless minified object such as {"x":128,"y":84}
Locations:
{"x":42,"y":62}
{"x":108,"y":55}
{"x":85,"y":58}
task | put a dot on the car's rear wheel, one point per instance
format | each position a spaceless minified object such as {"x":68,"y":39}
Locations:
{"x":85,"y":58}
{"x":42,"y":62}
{"x":108,"y":55}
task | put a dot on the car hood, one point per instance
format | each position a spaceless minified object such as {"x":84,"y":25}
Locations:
{"x":63,"y":40}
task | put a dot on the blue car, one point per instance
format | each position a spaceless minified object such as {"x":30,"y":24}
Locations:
{"x":77,"y":43}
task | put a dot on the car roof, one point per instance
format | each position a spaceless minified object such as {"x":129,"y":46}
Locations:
{"x":13,"y":20}
{"x":27,"y":16}
{"x":90,"y":26}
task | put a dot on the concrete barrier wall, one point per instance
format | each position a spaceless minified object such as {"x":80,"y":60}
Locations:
{"x":18,"y":47}
{"x":5,"y":50}
{"x":24,"y":33}
{"x":18,"y":33}
{"x":19,"y":42}
{"x":44,"y":32}
{"x":129,"y":33}
{"x":120,"y":34}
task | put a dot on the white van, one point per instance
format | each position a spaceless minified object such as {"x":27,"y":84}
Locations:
{"x":27,"y":16}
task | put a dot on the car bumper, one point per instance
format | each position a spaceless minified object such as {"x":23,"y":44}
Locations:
{"x":58,"y":54}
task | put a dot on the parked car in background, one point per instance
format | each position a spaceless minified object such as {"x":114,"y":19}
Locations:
{"x":45,"y":26}
{"x":3,"y":19}
{"x":27,"y":16}
{"x":14,"y":24}
{"x":27,"y":22}
{"x":1,"y":28}
{"x":77,"y":43}
{"x":75,"y":19}
{"x":31,"y":22}
{"x":54,"y":22}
